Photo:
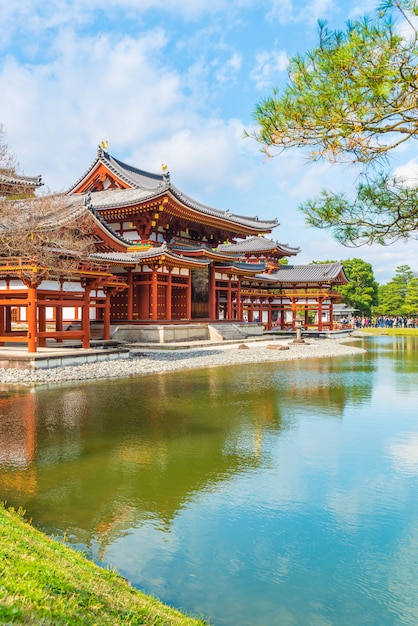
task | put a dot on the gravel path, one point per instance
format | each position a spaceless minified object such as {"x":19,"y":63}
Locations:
{"x":158,"y":361}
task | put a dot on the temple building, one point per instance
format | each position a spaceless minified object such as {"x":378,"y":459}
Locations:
{"x":157,"y":258}
{"x":12,"y":184}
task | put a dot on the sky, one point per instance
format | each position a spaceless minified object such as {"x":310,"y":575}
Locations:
{"x":175,"y":82}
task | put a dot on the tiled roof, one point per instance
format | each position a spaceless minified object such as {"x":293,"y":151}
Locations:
{"x":114,"y":198}
{"x":134,"y":176}
{"x":246,"y":267}
{"x":257,"y":245}
{"x":200,"y":250}
{"x":147,"y":185}
{"x":143,"y":255}
{"x":315,"y":273}
{"x":11,"y":178}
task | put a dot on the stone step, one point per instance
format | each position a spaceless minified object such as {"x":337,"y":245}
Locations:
{"x":227,"y":331}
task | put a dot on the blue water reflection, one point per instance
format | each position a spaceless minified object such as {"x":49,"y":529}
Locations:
{"x":278,"y":494}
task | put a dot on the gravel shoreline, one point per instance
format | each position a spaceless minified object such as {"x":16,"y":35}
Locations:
{"x":159,"y":361}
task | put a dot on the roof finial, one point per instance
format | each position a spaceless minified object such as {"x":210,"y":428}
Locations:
{"x":166,"y":173}
{"x":105,"y":144}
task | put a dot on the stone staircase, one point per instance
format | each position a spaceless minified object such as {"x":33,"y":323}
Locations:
{"x":225,"y":332}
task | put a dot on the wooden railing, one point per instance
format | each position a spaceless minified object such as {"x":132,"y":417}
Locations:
{"x":294,"y":293}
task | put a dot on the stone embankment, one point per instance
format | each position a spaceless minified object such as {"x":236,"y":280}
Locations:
{"x":159,"y":361}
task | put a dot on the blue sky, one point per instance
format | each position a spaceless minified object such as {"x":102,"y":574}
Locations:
{"x":176,"y":82}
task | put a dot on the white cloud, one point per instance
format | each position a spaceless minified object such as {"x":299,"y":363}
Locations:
{"x":229,"y":70}
{"x":95,"y":88}
{"x":204,"y":158}
{"x":118,"y":89}
{"x":288,"y":11}
{"x":408,"y":172}
{"x":39,"y":16}
{"x":362,"y":8}
{"x":268,"y":65}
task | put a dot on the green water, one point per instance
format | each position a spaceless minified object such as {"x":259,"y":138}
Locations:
{"x":260,"y":495}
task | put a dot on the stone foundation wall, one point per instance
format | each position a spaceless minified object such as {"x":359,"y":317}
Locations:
{"x":162,"y":334}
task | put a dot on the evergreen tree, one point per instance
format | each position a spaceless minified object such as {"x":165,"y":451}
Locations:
{"x":361,"y":292}
{"x":392,"y":296}
{"x":403,"y":275}
{"x":411,"y":298}
{"x":390,"y":299}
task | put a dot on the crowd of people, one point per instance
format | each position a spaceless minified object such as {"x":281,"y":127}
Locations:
{"x":384,"y":321}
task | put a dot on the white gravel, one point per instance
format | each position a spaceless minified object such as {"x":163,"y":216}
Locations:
{"x":159,"y":361}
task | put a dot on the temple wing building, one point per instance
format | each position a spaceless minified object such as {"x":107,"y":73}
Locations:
{"x":12,"y":184}
{"x":157,"y":257}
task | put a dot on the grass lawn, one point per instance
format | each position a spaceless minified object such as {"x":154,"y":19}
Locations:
{"x":43,"y":581}
{"x":400,"y":332}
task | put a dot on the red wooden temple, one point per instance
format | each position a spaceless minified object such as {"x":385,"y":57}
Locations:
{"x":160,"y":257}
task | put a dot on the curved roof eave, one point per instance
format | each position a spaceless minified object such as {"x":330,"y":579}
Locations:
{"x":117,"y":198}
{"x":251,"y":222}
{"x":202,"y":251}
{"x":258,"y":245}
{"x":20,"y":179}
{"x":110,"y":232}
{"x":148,"y":255}
{"x":241,"y":267}
{"x":314,"y":273}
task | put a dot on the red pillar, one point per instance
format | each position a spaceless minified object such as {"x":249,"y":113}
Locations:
{"x":239,"y":303}
{"x":331,"y":314}
{"x":168,"y":295}
{"x":85,"y":318}
{"x":154,"y":294}
{"x":189,"y":297}
{"x":212,"y":293}
{"x":8,"y":320}
{"x":269,"y":316}
{"x":319,"y":314}
{"x":130,"y":295}
{"x":58,"y":320}
{"x":2,"y":307}
{"x":31,"y":315}
{"x":42,"y":325}
{"x":106,"y":316}
{"x":229,"y":299}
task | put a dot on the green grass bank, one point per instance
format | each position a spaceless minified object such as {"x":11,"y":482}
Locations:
{"x":398,"y":332}
{"x":43,"y":581}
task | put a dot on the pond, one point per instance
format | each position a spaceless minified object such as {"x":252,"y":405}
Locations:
{"x":260,"y":495}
